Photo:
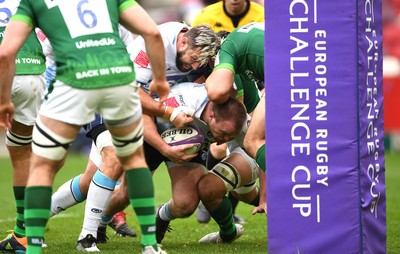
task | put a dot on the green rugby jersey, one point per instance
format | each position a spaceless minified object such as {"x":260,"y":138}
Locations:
{"x":89,"y":52}
{"x":243,"y":52}
{"x":30,"y":59}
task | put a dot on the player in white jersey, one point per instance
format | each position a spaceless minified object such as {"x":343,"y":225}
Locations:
{"x":187,"y":49}
{"x":185,"y":175}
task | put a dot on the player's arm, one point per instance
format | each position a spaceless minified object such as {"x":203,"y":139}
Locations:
{"x":180,"y":116}
{"x":220,"y":85}
{"x":15,"y":35}
{"x":262,"y":207}
{"x":138,"y":21}
{"x":152,"y":137}
{"x":150,"y":106}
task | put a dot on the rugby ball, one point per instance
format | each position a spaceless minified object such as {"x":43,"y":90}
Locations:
{"x":186,"y":135}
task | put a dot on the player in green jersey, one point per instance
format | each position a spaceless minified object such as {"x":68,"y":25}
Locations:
{"x":94,"y":74}
{"x":27,"y":91}
{"x":242,"y":53}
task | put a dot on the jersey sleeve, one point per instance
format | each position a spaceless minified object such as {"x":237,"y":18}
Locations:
{"x":226,"y":57}
{"x":24,"y":13}
{"x":125,"y":4}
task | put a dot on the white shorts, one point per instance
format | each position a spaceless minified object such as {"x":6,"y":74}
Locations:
{"x":27,"y":94}
{"x":78,"y":106}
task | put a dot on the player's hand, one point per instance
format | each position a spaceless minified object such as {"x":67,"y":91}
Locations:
{"x":162,"y":89}
{"x":6,"y":115}
{"x":177,"y":153}
{"x":182,"y":116}
{"x":261,"y":208}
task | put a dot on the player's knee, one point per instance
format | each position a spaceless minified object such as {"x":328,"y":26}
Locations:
{"x":127,"y":145}
{"x":48,"y":144}
{"x":228,"y":175}
{"x":186,"y":207}
{"x":205,"y":187}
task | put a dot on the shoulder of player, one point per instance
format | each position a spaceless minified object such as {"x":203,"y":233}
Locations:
{"x":256,"y":9}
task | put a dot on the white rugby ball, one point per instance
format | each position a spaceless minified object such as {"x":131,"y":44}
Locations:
{"x":186,"y":135}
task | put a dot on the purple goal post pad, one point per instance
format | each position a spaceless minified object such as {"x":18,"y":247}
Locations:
{"x":324,"y":127}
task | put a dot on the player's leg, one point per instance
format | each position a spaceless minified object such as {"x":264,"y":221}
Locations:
{"x":184,"y":179}
{"x":18,"y":140}
{"x":122,"y":114}
{"x":27,"y":92}
{"x":120,"y":199}
{"x":118,"y":221}
{"x":254,"y":141}
{"x":215,"y":154}
{"x":100,"y":190}
{"x":236,"y":170}
{"x":75,"y":190}
{"x":62,"y":114}
{"x":51,"y":139}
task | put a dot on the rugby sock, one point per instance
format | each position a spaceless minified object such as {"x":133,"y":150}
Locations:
{"x":224,"y":217}
{"x":260,"y":158}
{"x":37,"y":213}
{"x":99,"y":194}
{"x":234,"y":201}
{"x":164,"y":213}
{"x":141,"y":196}
{"x":67,"y":195}
{"x":106,"y":219}
{"x":19,"y":194}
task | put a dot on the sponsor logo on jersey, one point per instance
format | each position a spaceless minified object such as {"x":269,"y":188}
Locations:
{"x":41,"y":35}
{"x":95,"y":43}
{"x":141,"y":59}
{"x":172,"y":102}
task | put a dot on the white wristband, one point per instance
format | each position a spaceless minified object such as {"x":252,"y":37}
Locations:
{"x":176,"y":111}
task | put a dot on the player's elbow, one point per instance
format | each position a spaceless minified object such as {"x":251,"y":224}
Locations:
{"x":217,"y":96}
{"x":6,"y":57}
{"x":153,"y":34}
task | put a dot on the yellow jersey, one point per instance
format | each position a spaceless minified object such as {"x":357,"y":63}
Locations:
{"x":215,"y":16}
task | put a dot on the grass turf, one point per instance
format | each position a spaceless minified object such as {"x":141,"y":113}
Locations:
{"x":62,"y":231}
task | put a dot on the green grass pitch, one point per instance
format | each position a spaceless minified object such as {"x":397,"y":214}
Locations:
{"x":62,"y":231}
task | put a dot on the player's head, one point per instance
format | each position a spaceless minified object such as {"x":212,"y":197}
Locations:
{"x":227,"y":120}
{"x":197,"y":47}
{"x":222,"y":36}
{"x":236,"y":7}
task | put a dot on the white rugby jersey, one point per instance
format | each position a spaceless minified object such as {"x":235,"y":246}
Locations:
{"x":169,"y":32}
{"x":194,"y":96}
